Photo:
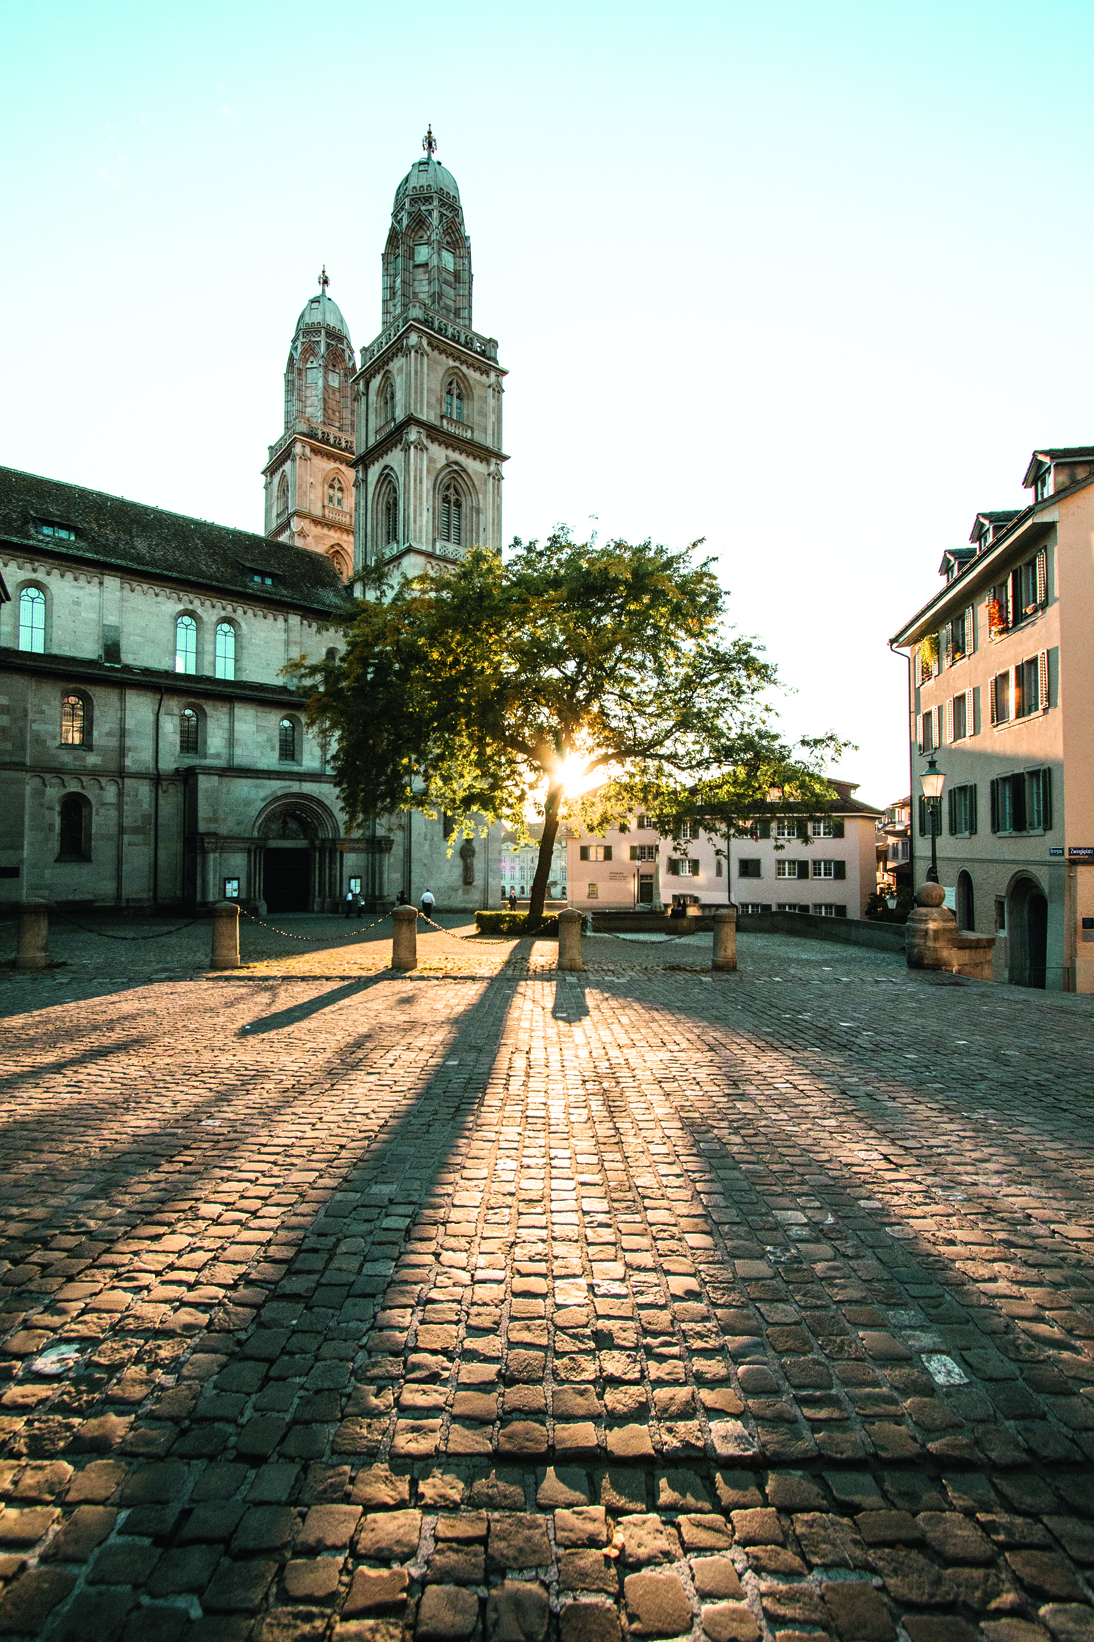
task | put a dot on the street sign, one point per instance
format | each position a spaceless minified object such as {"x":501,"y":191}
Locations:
{"x":1081,"y":852}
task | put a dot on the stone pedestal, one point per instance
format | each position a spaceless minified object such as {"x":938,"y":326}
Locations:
{"x":404,"y":938}
{"x":569,"y":941}
{"x":32,"y":950}
{"x":932,"y":939}
{"x":225,"y":954}
{"x":725,"y":939}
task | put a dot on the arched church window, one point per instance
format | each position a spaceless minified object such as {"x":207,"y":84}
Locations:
{"x":282,"y":495}
{"x":74,"y":828}
{"x":32,"y":620}
{"x":451,"y":515}
{"x":387,"y":403}
{"x":74,"y":724}
{"x":453,"y":400}
{"x":313,"y":392}
{"x":225,"y":650}
{"x":390,"y":516}
{"x":186,"y":645}
{"x":286,"y":741}
{"x":189,"y":730}
{"x":336,"y":495}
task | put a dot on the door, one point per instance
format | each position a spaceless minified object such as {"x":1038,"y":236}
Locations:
{"x":1037,"y":936}
{"x":287,"y":880}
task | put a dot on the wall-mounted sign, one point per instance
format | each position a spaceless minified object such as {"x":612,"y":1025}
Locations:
{"x":1056,"y":849}
{"x":1081,"y":852}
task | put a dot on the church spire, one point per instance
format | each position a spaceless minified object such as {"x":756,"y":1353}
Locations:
{"x":429,"y":142}
{"x":427,"y":258}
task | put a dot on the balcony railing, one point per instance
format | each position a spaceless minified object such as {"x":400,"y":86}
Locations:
{"x":337,"y":515}
{"x":464,"y":429}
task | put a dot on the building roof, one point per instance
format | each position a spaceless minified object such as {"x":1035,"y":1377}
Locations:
{"x":426,"y":174}
{"x":322,"y":310}
{"x":1057,"y":453}
{"x":993,"y":519}
{"x":109,"y":530}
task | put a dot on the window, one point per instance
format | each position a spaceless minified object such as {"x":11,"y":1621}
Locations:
{"x":753,"y":906}
{"x":61,"y":533}
{"x":286,"y":741}
{"x":186,"y":645}
{"x":389,"y":516}
{"x":643,"y":852}
{"x":957,"y":638}
{"x":189,"y":731}
{"x":313,"y":393}
{"x":962,"y":806}
{"x":1042,"y":485}
{"x":645,"y":823}
{"x":387,"y":403}
{"x":451,"y":515}
{"x":334,"y":380}
{"x":959,"y":712}
{"x":926,"y":731}
{"x":829,"y":909}
{"x":448,"y":259}
{"x":32,"y":620}
{"x":791,"y":906}
{"x":74,"y":828}
{"x":595,"y":852}
{"x":453,"y":400}
{"x":823,"y":828}
{"x":261,"y":578}
{"x":718,"y":868}
{"x":1022,"y":802}
{"x":829,"y":869}
{"x":751,"y":867}
{"x":786,"y":827}
{"x":336,"y":495}
{"x":791,"y":869}
{"x":1021,"y":690}
{"x":421,"y":255}
{"x":231,"y":889}
{"x":74,"y":725}
{"x":225,"y":650}
{"x":592,"y":892}
{"x":282,"y":495}
{"x":680,"y":868}
{"x":688,"y":830}
{"x":355,"y":886}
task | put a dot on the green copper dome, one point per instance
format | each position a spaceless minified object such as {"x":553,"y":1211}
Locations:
{"x":322,"y":310}
{"x":428,"y":175}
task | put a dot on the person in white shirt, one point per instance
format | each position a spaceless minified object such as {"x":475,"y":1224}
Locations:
{"x":427,"y":903}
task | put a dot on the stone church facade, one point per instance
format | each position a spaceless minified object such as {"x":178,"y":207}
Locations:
{"x":152,"y":756}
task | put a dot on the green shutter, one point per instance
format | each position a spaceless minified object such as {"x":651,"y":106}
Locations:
{"x":803,"y":869}
{"x":763,"y":829}
{"x":994,"y":805}
{"x":837,"y":826}
{"x":584,"y":852}
{"x":607,"y":852}
{"x":634,"y":852}
{"x":841,"y":869}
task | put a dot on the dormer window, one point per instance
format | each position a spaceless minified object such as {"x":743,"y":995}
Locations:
{"x":1042,"y":485}
{"x":260,"y":577}
{"x":60,"y":533}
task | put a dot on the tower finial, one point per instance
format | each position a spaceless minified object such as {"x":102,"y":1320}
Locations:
{"x":323,"y":279}
{"x":429,"y":142}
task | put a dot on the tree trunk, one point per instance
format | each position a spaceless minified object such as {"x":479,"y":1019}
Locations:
{"x":546,"y":847}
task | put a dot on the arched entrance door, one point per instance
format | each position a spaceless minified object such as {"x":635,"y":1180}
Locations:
{"x":296,"y":857}
{"x":966,"y":910}
{"x":1027,"y":932}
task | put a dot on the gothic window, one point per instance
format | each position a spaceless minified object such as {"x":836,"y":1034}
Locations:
{"x":225,"y":650}
{"x":189,"y":731}
{"x":74,"y":725}
{"x":313,"y":393}
{"x":389,"y":515}
{"x":340,"y":563}
{"x":286,"y":741}
{"x":453,"y":400}
{"x":32,"y":620}
{"x":282,"y":495}
{"x":451,"y":515}
{"x":336,"y":495}
{"x":74,"y":828}
{"x":186,"y":645}
{"x":387,"y":403}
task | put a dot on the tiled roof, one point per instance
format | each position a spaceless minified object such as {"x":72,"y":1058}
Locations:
{"x":133,"y":536}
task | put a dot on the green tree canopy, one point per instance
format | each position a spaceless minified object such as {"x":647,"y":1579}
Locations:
{"x":480,"y":691}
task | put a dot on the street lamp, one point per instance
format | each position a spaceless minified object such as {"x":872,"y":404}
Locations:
{"x":933,"y":781}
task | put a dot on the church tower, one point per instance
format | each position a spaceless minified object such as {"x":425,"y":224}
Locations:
{"x":309,"y":475}
{"x":427,"y":396}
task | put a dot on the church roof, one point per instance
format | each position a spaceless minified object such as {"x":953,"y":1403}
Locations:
{"x":88,"y":525}
{"x":322,"y":310}
{"x":426,"y":174}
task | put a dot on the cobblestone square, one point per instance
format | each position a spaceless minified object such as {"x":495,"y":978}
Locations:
{"x":487,"y":1302}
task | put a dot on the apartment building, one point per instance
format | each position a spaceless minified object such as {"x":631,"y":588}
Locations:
{"x":790,"y":864}
{"x":1001,"y":693}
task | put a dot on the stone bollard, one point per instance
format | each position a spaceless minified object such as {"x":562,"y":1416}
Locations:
{"x":725,"y":939}
{"x":32,"y":951}
{"x":404,"y":938}
{"x":569,"y":940}
{"x":225,"y":935}
{"x":930,"y":930}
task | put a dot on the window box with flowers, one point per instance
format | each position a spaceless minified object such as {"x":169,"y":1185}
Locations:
{"x":997,"y":620}
{"x":928,"y":657}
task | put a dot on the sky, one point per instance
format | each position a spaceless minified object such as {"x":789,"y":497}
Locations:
{"x":807,"y":281}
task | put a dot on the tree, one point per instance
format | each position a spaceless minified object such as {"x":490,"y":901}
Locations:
{"x":484,"y":689}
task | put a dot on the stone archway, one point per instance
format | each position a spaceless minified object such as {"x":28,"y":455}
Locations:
{"x":294,"y":857}
{"x":1027,"y":932}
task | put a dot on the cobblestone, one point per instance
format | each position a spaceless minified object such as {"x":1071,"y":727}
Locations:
{"x":506,"y":1304}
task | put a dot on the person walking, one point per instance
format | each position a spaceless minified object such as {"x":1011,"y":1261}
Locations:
{"x":512,"y":900}
{"x":350,"y":903}
{"x":427,"y":903}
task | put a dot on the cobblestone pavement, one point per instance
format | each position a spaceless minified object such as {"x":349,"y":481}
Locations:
{"x":637,"y":1304}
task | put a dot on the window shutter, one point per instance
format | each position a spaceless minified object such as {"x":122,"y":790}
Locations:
{"x":803,"y":869}
{"x":949,"y":719}
{"x":1016,"y":704}
{"x":840,"y":869}
{"x":993,"y":689}
{"x":838,"y":828}
{"x":922,"y":732}
{"x":763,"y":829}
{"x":607,"y":852}
{"x":952,"y":817}
{"x":939,"y":723}
{"x":803,"y":829}
{"x":922,"y":814}
{"x":694,"y":867}
{"x":634,"y":852}
{"x":970,"y":713}
{"x":1046,"y":799}
{"x":1042,"y":677}
{"x":1042,"y":577}
{"x":970,"y":629}
{"x":584,"y":852}
{"x":994,"y":789}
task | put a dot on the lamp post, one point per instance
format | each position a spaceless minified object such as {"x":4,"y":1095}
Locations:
{"x":933,"y":781}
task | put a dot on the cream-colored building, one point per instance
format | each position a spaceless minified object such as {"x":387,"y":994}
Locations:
{"x":790,"y":864}
{"x":1002,"y":696}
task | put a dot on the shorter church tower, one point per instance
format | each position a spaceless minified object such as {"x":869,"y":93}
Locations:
{"x":427,"y":397}
{"x":309,"y":475}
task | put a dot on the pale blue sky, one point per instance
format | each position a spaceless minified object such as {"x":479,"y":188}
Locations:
{"x":809,"y":280}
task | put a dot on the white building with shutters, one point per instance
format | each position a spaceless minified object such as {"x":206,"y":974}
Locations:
{"x":1002,"y":696}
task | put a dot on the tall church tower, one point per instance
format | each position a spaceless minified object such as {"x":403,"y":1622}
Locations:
{"x":309,"y":475}
{"x":427,"y":396}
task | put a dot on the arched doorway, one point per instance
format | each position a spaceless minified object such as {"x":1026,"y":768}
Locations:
{"x":296,"y":856}
{"x":966,"y":909}
{"x":1027,"y":933}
